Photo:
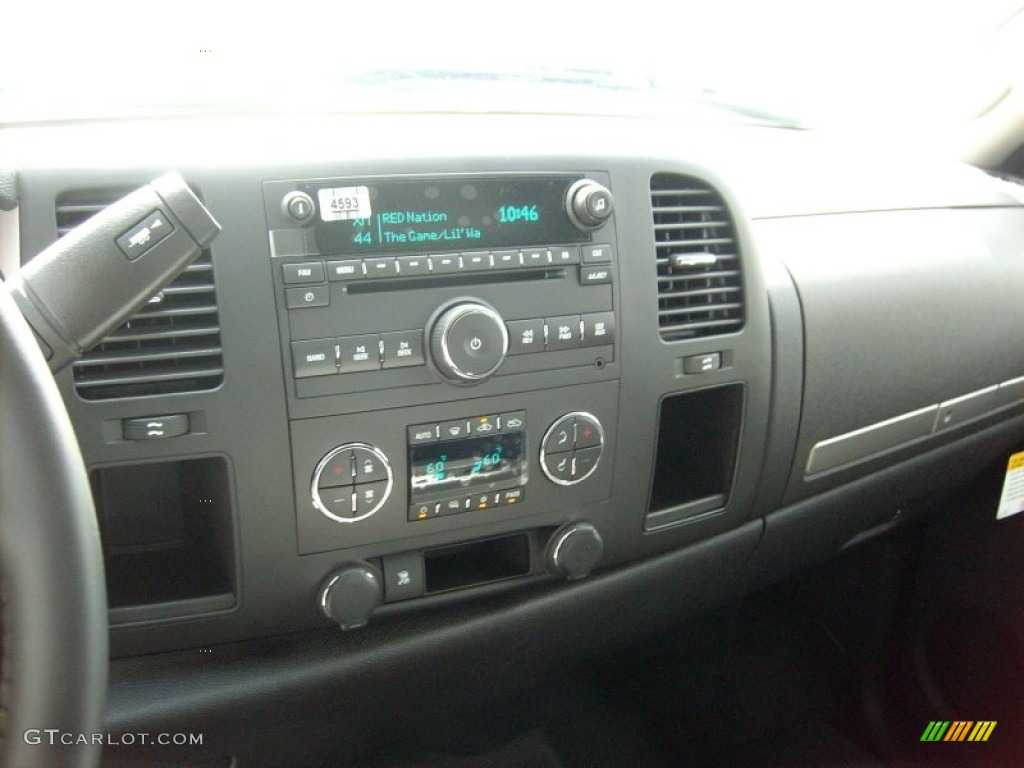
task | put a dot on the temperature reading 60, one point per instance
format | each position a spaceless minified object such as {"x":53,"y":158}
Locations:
{"x":508,"y":214}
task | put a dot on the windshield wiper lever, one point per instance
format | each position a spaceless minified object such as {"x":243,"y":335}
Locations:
{"x":94,"y":278}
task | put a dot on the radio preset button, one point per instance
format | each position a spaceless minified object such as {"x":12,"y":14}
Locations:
{"x":423,"y":433}
{"x":359,"y":353}
{"x":345,"y":269}
{"x":403,"y":348}
{"x":595,"y":275}
{"x":381,"y":267}
{"x":597,"y":254}
{"x":476,"y":261}
{"x":525,"y":336}
{"x":411,"y":266}
{"x":302,"y":298}
{"x":535,"y":257}
{"x":314,"y":357}
{"x":305,"y":272}
{"x":563,"y":332}
{"x":445,"y":263}
{"x":506,"y":259}
{"x":514,"y":421}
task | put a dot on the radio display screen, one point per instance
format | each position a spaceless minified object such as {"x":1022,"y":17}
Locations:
{"x":449,"y":467}
{"x":438,"y":215}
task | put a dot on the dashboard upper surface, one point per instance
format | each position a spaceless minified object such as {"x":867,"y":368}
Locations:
{"x":863,"y":297}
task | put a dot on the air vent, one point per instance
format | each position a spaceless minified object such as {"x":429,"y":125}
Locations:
{"x":700,"y":292}
{"x":170,"y":345}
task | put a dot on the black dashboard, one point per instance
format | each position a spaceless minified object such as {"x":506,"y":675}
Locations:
{"x":429,"y":394}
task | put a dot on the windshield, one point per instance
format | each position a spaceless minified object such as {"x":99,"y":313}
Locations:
{"x":790,"y":62}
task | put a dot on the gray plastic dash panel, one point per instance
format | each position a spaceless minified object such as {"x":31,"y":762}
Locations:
{"x":953,"y":413}
{"x":1010,"y":392}
{"x":868,"y":441}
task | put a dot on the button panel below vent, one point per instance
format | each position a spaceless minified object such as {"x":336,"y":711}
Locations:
{"x":171,"y":345}
{"x":700,"y":290}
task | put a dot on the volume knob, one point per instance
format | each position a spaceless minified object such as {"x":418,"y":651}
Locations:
{"x":468,"y":342}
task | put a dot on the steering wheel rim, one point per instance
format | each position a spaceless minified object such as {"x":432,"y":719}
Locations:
{"x":52,"y":590}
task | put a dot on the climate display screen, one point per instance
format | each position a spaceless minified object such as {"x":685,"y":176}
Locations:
{"x":435,"y":216}
{"x":441,"y":469}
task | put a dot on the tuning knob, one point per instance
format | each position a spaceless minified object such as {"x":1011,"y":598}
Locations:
{"x":468,"y":342}
{"x":351,"y":594}
{"x":589,"y":204}
{"x":574,"y":550}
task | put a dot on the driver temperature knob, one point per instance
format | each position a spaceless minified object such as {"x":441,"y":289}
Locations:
{"x":350,"y":595}
{"x":468,"y":342}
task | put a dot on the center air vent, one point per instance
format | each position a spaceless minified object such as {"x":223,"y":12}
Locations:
{"x":700,"y":290}
{"x":170,"y":345}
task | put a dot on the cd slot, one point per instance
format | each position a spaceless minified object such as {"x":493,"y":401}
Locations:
{"x":449,"y":281}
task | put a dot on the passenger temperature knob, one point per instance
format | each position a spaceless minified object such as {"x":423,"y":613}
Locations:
{"x":468,"y":342}
{"x":574,"y":550}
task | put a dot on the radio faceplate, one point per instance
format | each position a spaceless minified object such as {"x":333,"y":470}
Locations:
{"x":451,"y":352}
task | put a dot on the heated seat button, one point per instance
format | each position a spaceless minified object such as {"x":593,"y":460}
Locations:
{"x":368,"y":466}
{"x":314,"y":357}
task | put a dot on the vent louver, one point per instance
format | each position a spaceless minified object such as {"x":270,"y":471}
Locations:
{"x":170,"y":345}
{"x":700,"y":290}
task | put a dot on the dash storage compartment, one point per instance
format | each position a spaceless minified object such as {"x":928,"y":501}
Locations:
{"x":696,"y":459}
{"x":168,"y":538}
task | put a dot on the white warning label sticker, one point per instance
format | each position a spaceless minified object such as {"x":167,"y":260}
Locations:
{"x":1012,"y":500}
{"x":344,"y":203}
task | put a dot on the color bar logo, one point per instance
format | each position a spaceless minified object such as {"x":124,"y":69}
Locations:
{"x":958,"y":730}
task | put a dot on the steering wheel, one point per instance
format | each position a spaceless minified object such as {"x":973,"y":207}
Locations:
{"x":53,"y":608}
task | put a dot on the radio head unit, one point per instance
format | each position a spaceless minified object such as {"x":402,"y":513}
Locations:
{"x":422,"y":215}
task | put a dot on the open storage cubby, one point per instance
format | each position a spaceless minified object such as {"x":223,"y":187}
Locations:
{"x":697,"y":438}
{"x":477,"y":562}
{"x":168,"y":537}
